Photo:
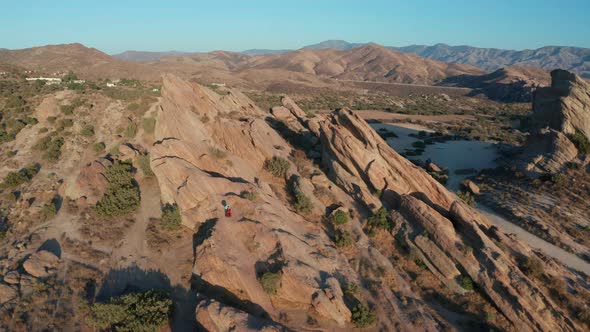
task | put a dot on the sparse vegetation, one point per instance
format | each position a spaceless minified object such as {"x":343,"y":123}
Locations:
{"x":363,"y":316}
{"x":533,"y":266}
{"x":87,"y":131}
{"x":249,"y":195}
{"x":122,"y":195}
{"x":217,"y":153}
{"x":131,"y":130}
{"x":147,"y":311}
{"x":277,"y":166}
{"x":466,"y":197}
{"x":171,"y":218}
{"x":270,"y":282}
{"x":581,"y":142}
{"x":15,"y":179}
{"x":339,"y":218}
{"x":303,"y":203}
{"x":98,"y":147}
{"x":343,"y":239}
{"x":379,"y":220}
{"x":148,"y":124}
{"x":49,"y":209}
{"x":467,"y":283}
{"x":143,"y":161}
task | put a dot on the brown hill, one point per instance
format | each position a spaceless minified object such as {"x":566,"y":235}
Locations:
{"x":511,"y":84}
{"x":367,"y":63}
{"x":84,"y":61}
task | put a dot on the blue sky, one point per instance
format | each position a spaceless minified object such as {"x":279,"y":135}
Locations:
{"x":114,"y":26}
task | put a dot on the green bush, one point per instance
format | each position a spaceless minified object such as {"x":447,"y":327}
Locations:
{"x":142,"y":312}
{"x":533,"y":266}
{"x":271,"y":282}
{"x":148,"y":124}
{"x":131,"y":130}
{"x":15,"y":179}
{"x":50,"y":146}
{"x":249,"y":195}
{"x":466,"y":197}
{"x":51,"y":119}
{"x":98,"y":147}
{"x":467,"y":283}
{"x":363,"y":316}
{"x":343,"y":239}
{"x":143,"y":161}
{"x":114,"y":150}
{"x":49,"y":210}
{"x":171,"y":218}
{"x":277,"y":166}
{"x":339,"y":218}
{"x":303,"y":203}
{"x":122,"y":195}
{"x":65,"y":123}
{"x":581,"y":142}
{"x":11,"y":153}
{"x":379,"y":220}
{"x":87,"y":131}
{"x":351,"y":289}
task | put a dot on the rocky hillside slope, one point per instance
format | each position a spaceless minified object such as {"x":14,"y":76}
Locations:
{"x":330,"y":229}
{"x":214,"y":148}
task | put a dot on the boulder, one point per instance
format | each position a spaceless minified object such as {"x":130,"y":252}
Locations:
{"x":91,"y":182}
{"x":7,"y":293}
{"x":280,"y":112}
{"x":215,"y":316}
{"x":41,"y":264}
{"x":432,"y":167}
{"x":470,"y":186}
{"x":12,"y":277}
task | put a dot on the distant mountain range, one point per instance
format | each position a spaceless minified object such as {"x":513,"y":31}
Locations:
{"x":575,"y":59}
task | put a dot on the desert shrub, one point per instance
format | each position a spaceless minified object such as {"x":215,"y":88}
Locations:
{"x":217,"y":153}
{"x":49,"y":209}
{"x":143,"y":161}
{"x":277,"y":166}
{"x":131,"y":130}
{"x":51,"y":119}
{"x":379,"y":219}
{"x":467,"y":283}
{"x":171,"y":218}
{"x":11,"y":153}
{"x":343,"y":239}
{"x":122,"y":195}
{"x":419,"y":144}
{"x":114,"y":150}
{"x":87,"y":131}
{"x":249,"y":195}
{"x":351,"y":289}
{"x":533,"y":266}
{"x":15,"y":179}
{"x":303,"y":203}
{"x":581,"y":142}
{"x":363,"y":316}
{"x":65,"y":123}
{"x":98,"y":147}
{"x":270,"y":282}
{"x":339,"y":218}
{"x":204,"y":118}
{"x":43,"y":130}
{"x":466,"y":197}
{"x":148,"y":124}
{"x":146,"y":311}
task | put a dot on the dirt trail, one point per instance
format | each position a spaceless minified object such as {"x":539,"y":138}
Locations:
{"x":559,"y":254}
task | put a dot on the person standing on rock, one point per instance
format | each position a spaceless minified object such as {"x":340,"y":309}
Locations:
{"x":227,"y":210}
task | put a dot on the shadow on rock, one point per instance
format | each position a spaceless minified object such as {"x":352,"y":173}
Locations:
{"x":133,"y":279}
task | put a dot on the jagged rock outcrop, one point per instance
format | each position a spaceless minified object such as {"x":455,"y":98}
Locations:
{"x":564,"y":106}
{"x":201,"y":163}
{"x":91,"y":183}
{"x":559,"y":111}
{"x":214,"y":316}
{"x":455,"y":235}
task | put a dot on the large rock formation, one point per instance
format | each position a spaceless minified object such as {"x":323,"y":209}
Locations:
{"x":565,"y":106}
{"x":559,"y":111}
{"x":210,"y":148}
